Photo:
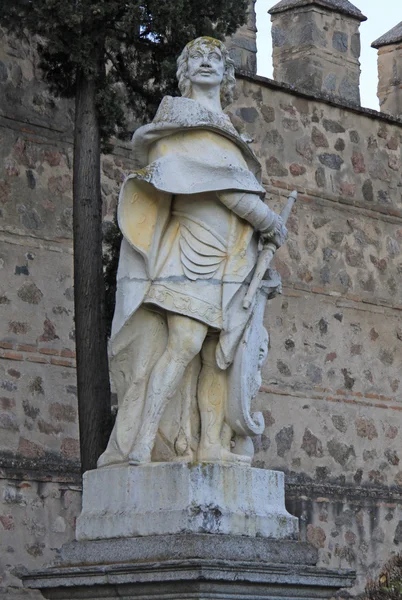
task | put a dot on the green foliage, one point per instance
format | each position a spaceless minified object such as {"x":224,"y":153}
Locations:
{"x":117,"y":42}
{"x":389,"y":584}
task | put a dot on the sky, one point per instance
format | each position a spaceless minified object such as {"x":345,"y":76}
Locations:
{"x":381,"y":15}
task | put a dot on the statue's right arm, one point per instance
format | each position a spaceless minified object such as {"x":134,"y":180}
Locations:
{"x":252,"y":209}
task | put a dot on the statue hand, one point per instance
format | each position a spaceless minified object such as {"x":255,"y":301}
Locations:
{"x":276,"y":234}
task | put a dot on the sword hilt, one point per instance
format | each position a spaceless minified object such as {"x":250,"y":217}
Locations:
{"x":266,"y":256}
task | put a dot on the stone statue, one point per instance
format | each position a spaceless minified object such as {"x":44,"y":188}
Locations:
{"x":185,"y":353}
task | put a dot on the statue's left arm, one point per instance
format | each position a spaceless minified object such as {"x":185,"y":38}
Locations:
{"x":252,"y":209}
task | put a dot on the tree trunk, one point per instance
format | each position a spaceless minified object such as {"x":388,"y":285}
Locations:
{"x":89,"y":292}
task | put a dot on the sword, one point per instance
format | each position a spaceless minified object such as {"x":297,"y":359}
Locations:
{"x":266,"y":256}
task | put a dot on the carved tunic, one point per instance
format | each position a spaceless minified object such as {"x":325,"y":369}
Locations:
{"x":189,"y":281}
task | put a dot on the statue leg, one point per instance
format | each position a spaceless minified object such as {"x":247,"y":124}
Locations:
{"x":130,"y":370}
{"x":185,"y":341}
{"x":211,"y":394}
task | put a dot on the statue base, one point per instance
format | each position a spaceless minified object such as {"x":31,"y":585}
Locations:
{"x":155,"y":531}
{"x":196,"y":566}
{"x":170,"y":498}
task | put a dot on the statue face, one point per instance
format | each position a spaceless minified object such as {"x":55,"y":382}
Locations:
{"x":205,"y":65}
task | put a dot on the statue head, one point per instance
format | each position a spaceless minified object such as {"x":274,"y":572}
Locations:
{"x":217,"y":67}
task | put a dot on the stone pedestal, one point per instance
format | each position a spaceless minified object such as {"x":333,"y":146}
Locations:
{"x":178,"y":531}
{"x":184,"y":567}
{"x":169,"y":498}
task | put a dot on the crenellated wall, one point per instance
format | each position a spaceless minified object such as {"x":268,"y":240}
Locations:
{"x":332,"y":388}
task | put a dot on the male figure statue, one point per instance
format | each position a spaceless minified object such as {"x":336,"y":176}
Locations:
{"x":191,"y":216}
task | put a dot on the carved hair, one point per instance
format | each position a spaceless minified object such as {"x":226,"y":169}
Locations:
{"x":228,"y":81}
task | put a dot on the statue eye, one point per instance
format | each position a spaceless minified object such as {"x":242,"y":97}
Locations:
{"x":214,"y":55}
{"x":196,"y":55}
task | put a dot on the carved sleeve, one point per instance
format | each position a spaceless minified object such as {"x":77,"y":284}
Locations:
{"x":251,"y":208}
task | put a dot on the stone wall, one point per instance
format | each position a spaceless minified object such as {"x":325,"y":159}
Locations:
{"x":331,"y":392}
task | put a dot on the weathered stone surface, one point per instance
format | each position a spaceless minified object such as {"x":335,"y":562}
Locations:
{"x":290,"y":124}
{"x":9,"y":421}
{"x":340,"y":41}
{"x":340,"y":423}
{"x":311,"y":242}
{"x":297,"y":170}
{"x":303,"y":147}
{"x":378,"y":170}
{"x":192,"y":499}
{"x":354,"y":136}
{"x":311,"y":444}
{"x":200,"y":578}
{"x":70,"y":449}
{"x":275,"y":168}
{"x":284,"y":440}
{"x":314,"y":373}
{"x":268,"y":112}
{"x":358,"y":162}
{"x":249,"y":115}
{"x":332,"y":161}
{"x":366,"y":428}
{"x":319,"y":139}
{"x":274,"y":138}
{"x":392,"y":457}
{"x":367,"y":190}
{"x":283,"y":368}
{"x":30,"y":293}
{"x":340,"y":145}
{"x":320,"y":177}
{"x":340,"y":452}
{"x":333,"y":126}
{"x":316,"y":536}
{"x":63,"y":412}
{"x":355,"y":45}
{"x":341,"y":6}
{"x":188,"y":546}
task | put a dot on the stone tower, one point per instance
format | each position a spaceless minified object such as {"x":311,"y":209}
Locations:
{"x":389,"y":91}
{"x":243,"y":44}
{"x":316,"y":46}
